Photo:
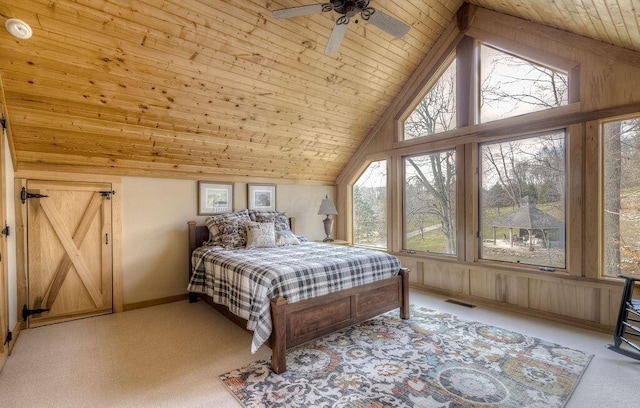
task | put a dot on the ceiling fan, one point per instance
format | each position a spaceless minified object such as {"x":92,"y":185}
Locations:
{"x":348,"y":9}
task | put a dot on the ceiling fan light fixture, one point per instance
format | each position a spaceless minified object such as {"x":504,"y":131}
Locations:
{"x":18,"y":28}
{"x":348,"y":9}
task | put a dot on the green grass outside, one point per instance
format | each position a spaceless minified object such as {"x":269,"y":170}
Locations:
{"x":433,"y":241}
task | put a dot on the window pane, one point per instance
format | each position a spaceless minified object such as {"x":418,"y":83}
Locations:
{"x":621,"y":196}
{"x":370,"y":206}
{"x":436,"y":112}
{"x":522,"y":202}
{"x":430,"y":202}
{"x":513,"y":86}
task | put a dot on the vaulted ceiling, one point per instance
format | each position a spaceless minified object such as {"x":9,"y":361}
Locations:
{"x":219,"y":89}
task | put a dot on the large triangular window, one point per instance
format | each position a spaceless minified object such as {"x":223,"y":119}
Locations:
{"x":503,"y":85}
{"x":436,"y":111}
{"x":512,"y":86}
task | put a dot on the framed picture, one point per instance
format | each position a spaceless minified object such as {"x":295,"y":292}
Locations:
{"x":214,"y":198}
{"x":262,"y":197}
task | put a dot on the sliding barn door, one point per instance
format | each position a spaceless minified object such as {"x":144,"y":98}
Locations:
{"x":69,"y":250}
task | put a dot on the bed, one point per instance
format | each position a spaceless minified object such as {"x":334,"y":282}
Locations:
{"x":293,"y":320}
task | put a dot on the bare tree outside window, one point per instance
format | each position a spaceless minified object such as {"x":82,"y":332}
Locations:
{"x":436,"y":112}
{"x":522,"y":201}
{"x":519,"y":176}
{"x":370,"y":206}
{"x":621,"y":141}
{"x":430,"y":202}
{"x":430,"y":179}
{"x":513,"y":86}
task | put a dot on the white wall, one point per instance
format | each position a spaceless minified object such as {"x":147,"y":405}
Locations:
{"x":154,"y":231}
{"x":302,"y":203}
{"x":11,"y":239}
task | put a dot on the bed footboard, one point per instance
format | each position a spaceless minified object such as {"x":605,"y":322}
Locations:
{"x":300,"y":322}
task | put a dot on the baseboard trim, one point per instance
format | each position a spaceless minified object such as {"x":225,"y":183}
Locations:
{"x":583,"y":324}
{"x":155,"y":302}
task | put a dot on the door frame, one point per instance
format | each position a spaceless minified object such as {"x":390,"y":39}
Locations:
{"x":21,"y":178}
{"x":5,"y":321}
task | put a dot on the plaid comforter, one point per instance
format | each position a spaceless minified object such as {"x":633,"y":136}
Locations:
{"x":246,"y":280}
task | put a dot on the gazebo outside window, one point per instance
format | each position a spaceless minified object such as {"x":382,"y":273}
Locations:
{"x":530,"y":219}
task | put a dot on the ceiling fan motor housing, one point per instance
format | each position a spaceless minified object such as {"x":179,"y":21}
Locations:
{"x":349,"y":7}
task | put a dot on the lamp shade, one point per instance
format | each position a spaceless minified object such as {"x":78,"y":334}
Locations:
{"x":327,"y":207}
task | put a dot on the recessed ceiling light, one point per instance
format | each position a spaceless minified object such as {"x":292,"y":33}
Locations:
{"x":18,"y":28}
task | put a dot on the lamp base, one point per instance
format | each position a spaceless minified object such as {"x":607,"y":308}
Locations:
{"x":328,"y":224}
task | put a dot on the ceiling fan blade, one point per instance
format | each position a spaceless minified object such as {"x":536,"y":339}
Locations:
{"x":385,"y":22}
{"x":301,"y":10}
{"x":337,"y":35}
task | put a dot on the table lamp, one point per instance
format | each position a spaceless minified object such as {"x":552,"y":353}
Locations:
{"x":327,"y":208}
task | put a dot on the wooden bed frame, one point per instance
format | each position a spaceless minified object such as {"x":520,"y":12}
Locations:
{"x":303,"y":321}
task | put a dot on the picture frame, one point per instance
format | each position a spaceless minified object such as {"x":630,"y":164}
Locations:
{"x":214,"y":197}
{"x":261,"y":197}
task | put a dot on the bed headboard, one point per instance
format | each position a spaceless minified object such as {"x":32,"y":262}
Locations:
{"x":200,"y":233}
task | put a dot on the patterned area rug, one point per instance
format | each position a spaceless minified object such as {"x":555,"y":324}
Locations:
{"x":433,"y":360}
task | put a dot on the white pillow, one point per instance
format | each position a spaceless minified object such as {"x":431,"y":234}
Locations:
{"x":260,"y":235}
{"x":286,"y":238}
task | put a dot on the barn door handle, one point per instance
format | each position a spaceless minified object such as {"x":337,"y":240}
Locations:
{"x":25,"y":195}
{"x":106,"y":239}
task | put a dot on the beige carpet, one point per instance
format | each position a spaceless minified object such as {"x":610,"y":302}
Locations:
{"x":163,"y":356}
{"x":172,"y":355}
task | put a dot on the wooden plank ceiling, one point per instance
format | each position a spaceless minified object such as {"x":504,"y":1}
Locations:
{"x":219,"y":89}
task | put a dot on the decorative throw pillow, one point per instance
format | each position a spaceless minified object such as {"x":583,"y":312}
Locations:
{"x":235,"y":233}
{"x":282,"y":222}
{"x":279,"y":219}
{"x":260,"y":235}
{"x":216,"y":224}
{"x":254,"y":213}
{"x":284,"y":238}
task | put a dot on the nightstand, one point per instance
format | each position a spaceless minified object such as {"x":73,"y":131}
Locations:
{"x":334,"y":242}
